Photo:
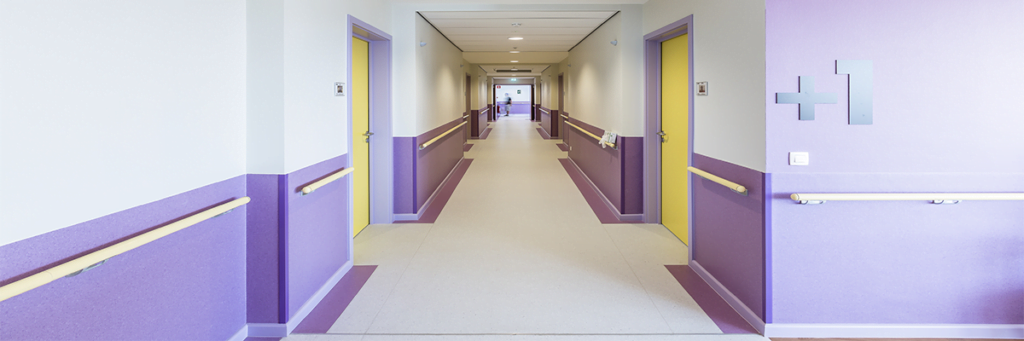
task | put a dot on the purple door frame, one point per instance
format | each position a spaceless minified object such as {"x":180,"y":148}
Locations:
{"x":652,"y":118}
{"x":381,"y":143}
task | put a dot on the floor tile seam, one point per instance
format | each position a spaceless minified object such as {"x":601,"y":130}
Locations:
{"x":400,"y":277}
{"x":638,"y":280}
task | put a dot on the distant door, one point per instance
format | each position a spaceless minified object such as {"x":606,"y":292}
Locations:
{"x":675,"y":147}
{"x":360,"y":92}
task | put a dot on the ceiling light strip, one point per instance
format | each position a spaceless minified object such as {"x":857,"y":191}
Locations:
{"x":595,"y":30}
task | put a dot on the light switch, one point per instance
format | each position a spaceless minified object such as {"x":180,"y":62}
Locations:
{"x":799,"y":158}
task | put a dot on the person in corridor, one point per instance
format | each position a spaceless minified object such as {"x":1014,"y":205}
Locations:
{"x":507,"y":103}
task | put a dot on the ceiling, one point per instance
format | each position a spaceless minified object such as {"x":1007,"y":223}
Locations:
{"x":547,"y":36}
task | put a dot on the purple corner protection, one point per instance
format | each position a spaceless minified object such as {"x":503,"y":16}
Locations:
{"x":717,"y":309}
{"x":728,"y":230}
{"x":543,"y":134}
{"x":189,"y":285}
{"x":317,"y":231}
{"x":487,"y":131}
{"x":434,"y":208}
{"x":603,"y":213}
{"x":562,"y":146}
{"x":262,"y":257}
{"x":320,"y":320}
{"x":467,"y":147}
{"x":405,"y":174}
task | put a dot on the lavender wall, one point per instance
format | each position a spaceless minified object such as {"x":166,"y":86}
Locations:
{"x":935,"y":108}
{"x":418,"y":173}
{"x":618,"y":174}
{"x":942,"y":122}
{"x":189,"y":285}
{"x":728,"y":231}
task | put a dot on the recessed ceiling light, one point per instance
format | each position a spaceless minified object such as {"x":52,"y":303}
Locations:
{"x":513,"y":51}
{"x":515,"y":69}
{"x":515,"y":38}
{"x":514,"y":61}
{"x":515,"y":24}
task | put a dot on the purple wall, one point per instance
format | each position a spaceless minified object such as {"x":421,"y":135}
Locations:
{"x":317,"y":231}
{"x":418,"y":173}
{"x":520,"y":107}
{"x":934,"y":108}
{"x":942,"y":122}
{"x":189,"y":285}
{"x":728,"y":231}
{"x":618,"y":174}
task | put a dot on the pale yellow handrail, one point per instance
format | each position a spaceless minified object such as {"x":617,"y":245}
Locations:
{"x":735,"y":187}
{"x":320,"y":183}
{"x":425,"y":144}
{"x":598,"y":138}
{"x":937,"y":198}
{"x":545,"y":111}
{"x":52,"y":274}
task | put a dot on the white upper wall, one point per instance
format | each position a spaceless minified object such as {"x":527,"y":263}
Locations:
{"x":440,"y":77}
{"x":729,"y":54}
{"x":604,"y":81}
{"x":108,"y":105}
{"x":303,"y":123}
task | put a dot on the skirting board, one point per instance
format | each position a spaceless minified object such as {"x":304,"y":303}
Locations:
{"x":621,"y":217}
{"x":282,"y":330}
{"x":430,"y":200}
{"x":728,"y":296}
{"x":944,"y":331}
{"x":241,"y":334}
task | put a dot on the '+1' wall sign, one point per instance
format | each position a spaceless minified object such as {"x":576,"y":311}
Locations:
{"x":860,"y":92}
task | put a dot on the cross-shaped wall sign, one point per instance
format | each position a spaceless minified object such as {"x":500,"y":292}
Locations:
{"x":806,"y":98}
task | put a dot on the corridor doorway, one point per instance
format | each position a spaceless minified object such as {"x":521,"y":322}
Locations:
{"x":521,"y":96}
{"x":370,"y":145}
{"x":668,"y":130}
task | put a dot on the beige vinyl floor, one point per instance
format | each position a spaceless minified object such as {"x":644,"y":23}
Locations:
{"x":517,"y":254}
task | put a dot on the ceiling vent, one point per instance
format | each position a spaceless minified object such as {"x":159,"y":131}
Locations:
{"x":516,"y":70}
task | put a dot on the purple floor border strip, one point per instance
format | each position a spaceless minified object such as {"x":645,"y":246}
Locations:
{"x":467,"y":147}
{"x":483,"y":136}
{"x":727,"y":319}
{"x":603,"y":213}
{"x":444,"y":193}
{"x":543,"y":134}
{"x":564,"y":147}
{"x":327,"y":312}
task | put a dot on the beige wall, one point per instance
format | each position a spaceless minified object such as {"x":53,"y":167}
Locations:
{"x":729,"y":54}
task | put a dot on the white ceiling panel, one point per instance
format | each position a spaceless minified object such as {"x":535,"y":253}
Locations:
{"x":581,"y":31}
{"x":519,"y":15}
{"x":441,"y":24}
{"x":542,"y":32}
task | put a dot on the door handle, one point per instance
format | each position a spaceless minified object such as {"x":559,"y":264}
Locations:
{"x":367,"y":134}
{"x":663,"y":136}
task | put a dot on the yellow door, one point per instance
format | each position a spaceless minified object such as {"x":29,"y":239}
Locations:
{"x":675,"y":121}
{"x":360,"y":92}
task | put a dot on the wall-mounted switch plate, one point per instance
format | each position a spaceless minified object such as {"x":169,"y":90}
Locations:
{"x":799,"y":158}
{"x":339,"y":89}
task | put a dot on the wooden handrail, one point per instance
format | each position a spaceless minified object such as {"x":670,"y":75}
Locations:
{"x":320,"y":183}
{"x":598,"y":138}
{"x":935,"y":198}
{"x":425,"y":144}
{"x":735,"y":187}
{"x":56,"y":272}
